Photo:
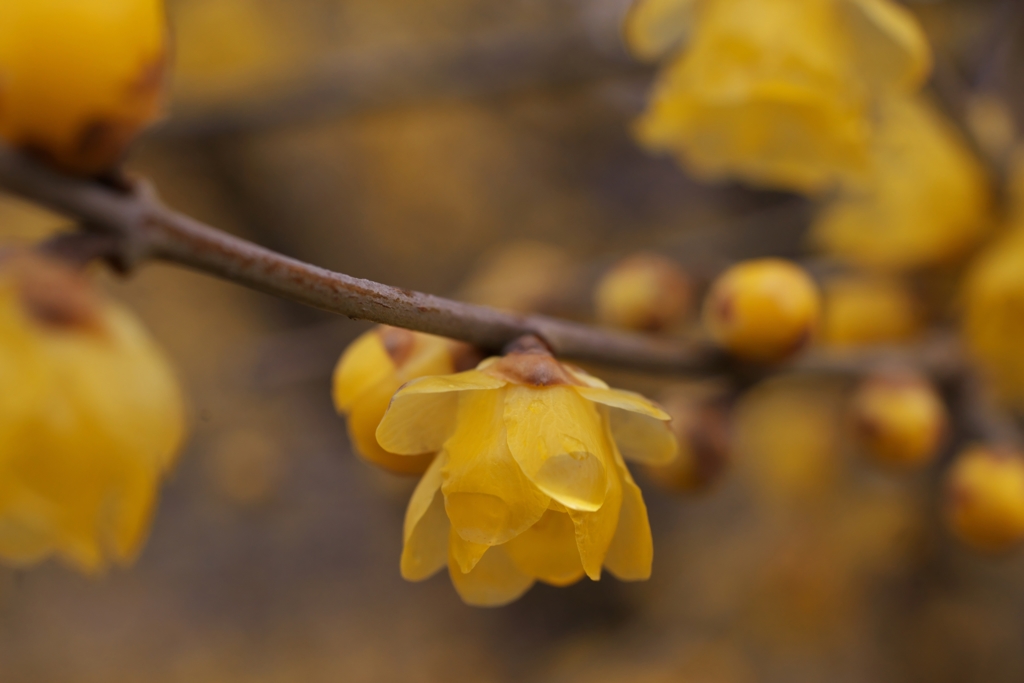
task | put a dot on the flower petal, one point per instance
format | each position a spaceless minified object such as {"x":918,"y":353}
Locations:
{"x":888,"y":41}
{"x":639,"y":426}
{"x":556,"y":437}
{"x":547,"y":550}
{"x":425,"y":547}
{"x":465,"y":554}
{"x":655,"y":27}
{"x":631,"y":551}
{"x":363,"y":420}
{"x":488,"y":498}
{"x":595,"y":530}
{"x":364,"y":364}
{"x":494,"y":581}
{"x":422,"y":413}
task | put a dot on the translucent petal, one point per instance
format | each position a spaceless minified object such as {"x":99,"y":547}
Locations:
{"x":364,"y":364}
{"x":595,"y":530}
{"x":655,"y":27}
{"x":890,"y":45}
{"x":488,"y":498}
{"x":632,"y":548}
{"x":425,"y":546}
{"x":556,"y":437}
{"x":495,"y":580}
{"x":585,"y":378}
{"x":547,"y":550}
{"x":422,"y":413}
{"x":465,"y":554}
{"x":639,"y":426}
{"x":363,"y":420}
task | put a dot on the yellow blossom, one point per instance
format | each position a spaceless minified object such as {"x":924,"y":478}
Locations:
{"x":369,"y":373}
{"x":774,"y":92}
{"x":91,"y":418}
{"x":78,"y":80}
{"x":925,"y":202}
{"x":985,"y":498}
{"x":530,"y":482}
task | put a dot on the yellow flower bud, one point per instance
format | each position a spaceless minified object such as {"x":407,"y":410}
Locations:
{"x":985,"y":498}
{"x":91,"y":418}
{"x":762,"y":310}
{"x":900,"y":419}
{"x":702,"y":430}
{"x":372,"y":369}
{"x":529,"y":483}
{"x":79,"y":80}
{"x":863,"y":310}
{"x":643,"y":292}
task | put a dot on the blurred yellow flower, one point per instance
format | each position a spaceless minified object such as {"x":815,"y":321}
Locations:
{"x":78,"y":80}
{"x":926,"y":201}
{"x":530,"y":482}
{"x":774,"y":92}
{"x":91,"y":418}
{"x":868,"y":309}
{"x":370,"y":372}
{"x":985,"y":498}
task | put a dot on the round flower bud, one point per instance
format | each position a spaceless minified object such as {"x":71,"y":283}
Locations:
{"x":985,"y":499}
{"x":79,"y":80}
{"x":91,"y":418}
{"x":864,"y":310}
{"x":643,"y":292}
{"x":762,"y":310}
{"x":899,"y":419}
{"x":702,"y":431}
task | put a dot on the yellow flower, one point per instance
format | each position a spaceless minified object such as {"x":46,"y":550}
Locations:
{"x":868,"y":309}
{"x":993,"y":320}
{"x":373,"y":368}
{"x":775,"y":92}
{"x":91,"y":418}
{"x":925,"y":202}
{"x":529,"y":483}
{"x":78,"y":80}
{"x":985,"y":498}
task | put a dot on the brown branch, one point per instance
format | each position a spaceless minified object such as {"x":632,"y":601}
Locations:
{"x":147,"y":229}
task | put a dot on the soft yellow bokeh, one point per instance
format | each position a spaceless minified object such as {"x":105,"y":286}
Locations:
{"x":372,"y":369}
{"x":91,"y":420}
{"x":78,"y":80}
{"x":867,"y":309}
{"x":985,"y":506}
{"x":645,"y":292}
{"x":925,"y":202}
{"x":774,"y":92}
{"x":530,"y":482}
{"x":900,"y":419}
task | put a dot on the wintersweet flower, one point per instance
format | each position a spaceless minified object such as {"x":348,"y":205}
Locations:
{"x":775,"y":92}
{"x":91,"y":419}
{"x":530,"y":482}
{"x":372,"y":369}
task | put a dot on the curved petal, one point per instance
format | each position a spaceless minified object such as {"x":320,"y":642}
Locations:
{"x":556,"y":437}
{"x":494,"y":581}
{"x":364,"y":364}
{"x":421,"y":415}
{"x":639,"y":426}
{"x":584,"y":377}
{"x":890,"y":45}
{"x":465,"y":554}
{"x":595,"y":530}
{"x":631,"y":551}
{"x":547,"y":550}
{"x":655,"y":27}
{"x":425,"y":546}
{"x":363,"y":420}
{"x":488,"y":498}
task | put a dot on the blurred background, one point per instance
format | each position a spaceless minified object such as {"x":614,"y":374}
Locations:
{"x":412,"y":143}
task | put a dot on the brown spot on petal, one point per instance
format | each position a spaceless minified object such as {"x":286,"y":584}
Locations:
{"x":533,"y":368}
{"x":398,"y":342}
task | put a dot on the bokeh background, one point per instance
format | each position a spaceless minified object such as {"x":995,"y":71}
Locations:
{"x":412,"y":142}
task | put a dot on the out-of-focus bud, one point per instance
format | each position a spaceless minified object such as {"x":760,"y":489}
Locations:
{"x":246,"y":466}
{"x":91,"y":418}
{"x":702,"y":430}
{"x":985,"y":498}
{"x":79,"y":80}
{"x":863,"y":310}
{"x":526,"y":276}
{"x":899,"y":418}
{"x":991,"y":123}
{"x":372,"y":369}
{"x":643,"y":292}
{"x":762,"y":310}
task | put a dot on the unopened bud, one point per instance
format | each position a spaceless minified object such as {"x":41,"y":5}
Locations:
{"x":644,"y":292}
{"x":702,"y":431}
{"x":900,"y":419}
{"x":985,"y":498}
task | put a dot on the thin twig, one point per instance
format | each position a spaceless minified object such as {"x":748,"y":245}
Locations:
{"x":150,"y":230}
